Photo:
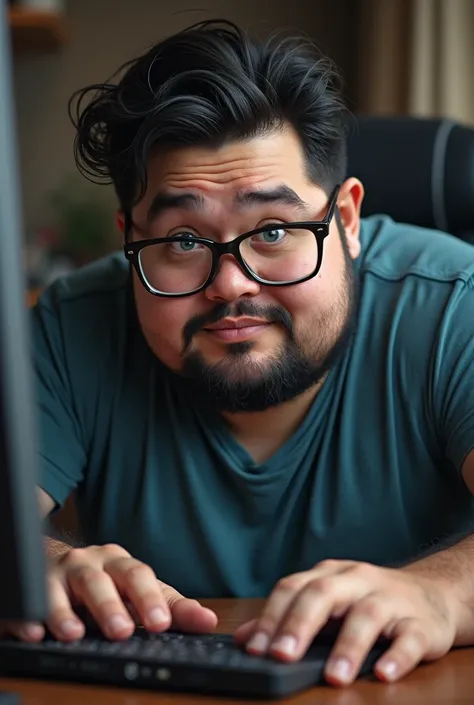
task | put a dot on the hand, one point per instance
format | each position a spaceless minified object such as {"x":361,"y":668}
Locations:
{"x":413,"y":611}
{"x":101,"y":578}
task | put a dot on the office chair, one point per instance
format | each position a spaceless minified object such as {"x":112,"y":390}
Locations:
{"x":417,"y":170}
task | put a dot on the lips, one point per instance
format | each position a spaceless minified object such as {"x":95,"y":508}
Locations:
{"x":229,"y":323}
{"x":237,"y":330}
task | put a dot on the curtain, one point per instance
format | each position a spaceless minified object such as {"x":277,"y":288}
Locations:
{"x":416,"y":57}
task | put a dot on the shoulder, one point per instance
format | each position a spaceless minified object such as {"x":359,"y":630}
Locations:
{"x":87,"y":345}
{"x":416,"y":293}
{"x":101,"y":280}
{"x":82,"y":317}
{"x":397,"y":251}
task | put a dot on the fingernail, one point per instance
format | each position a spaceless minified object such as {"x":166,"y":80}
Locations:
{"x":388,"y":669}
{"x":286,"y":645}
{"x":340,"y":668}
{"x":69,"y":627}
{"x":117,"y":623}
{"x":157,"y":617}
{"x":259,"y":642}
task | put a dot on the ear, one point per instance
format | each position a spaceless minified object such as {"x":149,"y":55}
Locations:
{"x":120,"y":221}
{"x":349,"y":202}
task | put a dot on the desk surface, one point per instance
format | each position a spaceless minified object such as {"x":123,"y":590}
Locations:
{"x":450,"y":680}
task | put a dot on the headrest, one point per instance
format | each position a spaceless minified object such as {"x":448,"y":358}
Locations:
{"x":419,"y":171}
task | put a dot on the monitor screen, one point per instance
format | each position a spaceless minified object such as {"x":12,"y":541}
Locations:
{"x":22,"y":588}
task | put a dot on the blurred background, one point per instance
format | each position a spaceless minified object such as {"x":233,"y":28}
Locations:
{"x":397,"y":57}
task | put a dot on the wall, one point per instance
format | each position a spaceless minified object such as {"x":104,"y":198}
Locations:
{"x":104,"y":34}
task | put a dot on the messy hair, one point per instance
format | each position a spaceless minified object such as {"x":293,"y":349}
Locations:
{"x":205,"y":86}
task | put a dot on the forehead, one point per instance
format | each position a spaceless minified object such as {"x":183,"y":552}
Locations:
{"x":271,"y":159}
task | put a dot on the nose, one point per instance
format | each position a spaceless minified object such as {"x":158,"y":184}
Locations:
{"x":230,"y":282}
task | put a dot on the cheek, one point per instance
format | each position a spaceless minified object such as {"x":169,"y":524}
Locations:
{"x":162,"y":322}
{"x":305,"y":300}
{"x":320,"y":294}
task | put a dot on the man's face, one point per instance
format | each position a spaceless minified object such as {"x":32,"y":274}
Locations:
{"x":292,"y":334}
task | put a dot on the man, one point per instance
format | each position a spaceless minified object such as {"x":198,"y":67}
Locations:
{"x":270,"y":397}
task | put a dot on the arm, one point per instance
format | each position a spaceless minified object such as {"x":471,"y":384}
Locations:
{"x":453,"y":567}
{"x":53,"y":547}
{"x":453,"y":394}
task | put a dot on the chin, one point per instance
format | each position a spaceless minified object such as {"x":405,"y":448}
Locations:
{"x":240,"y":358}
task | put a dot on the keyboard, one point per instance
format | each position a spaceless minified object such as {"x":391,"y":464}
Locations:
{"x":172,"y":661}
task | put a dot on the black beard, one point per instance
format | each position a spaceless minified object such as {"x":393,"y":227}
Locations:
{"x":275,"y":381}
{"x":239,"y":384}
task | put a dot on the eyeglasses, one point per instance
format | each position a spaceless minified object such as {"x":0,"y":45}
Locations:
{"x":279,"y":254}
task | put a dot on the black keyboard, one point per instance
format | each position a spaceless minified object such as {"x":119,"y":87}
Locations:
{"x":183,"y":662}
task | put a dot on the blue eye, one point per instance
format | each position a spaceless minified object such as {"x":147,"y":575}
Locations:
{"x":271,"y":236}
{"x":185,"y":245}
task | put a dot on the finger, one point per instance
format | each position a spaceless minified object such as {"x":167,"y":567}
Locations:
{"x":266,"y":626}
{"x":190,"y":616}
{"x":406,"y":652}
{"x":275,"y":610}
{"x":243,"y":633}
{"x":282,"y":598}
{"x":158,"y":605}
{"x":25,"y":631}
{"x":361,"y":629}
{"x":96,"y":590}
{"x":139,"y":584}
{"x":62,"y":621}
{"x":312,"y":608}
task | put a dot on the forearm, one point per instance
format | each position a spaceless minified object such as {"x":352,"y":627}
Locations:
{"x":453,"y":569}
{"x":55,"y":548}
{"x":58,"y":540}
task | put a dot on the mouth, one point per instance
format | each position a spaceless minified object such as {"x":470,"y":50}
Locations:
{"x":236,"y":329}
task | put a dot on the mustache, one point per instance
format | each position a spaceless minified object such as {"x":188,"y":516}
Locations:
{"x":272,"y":314}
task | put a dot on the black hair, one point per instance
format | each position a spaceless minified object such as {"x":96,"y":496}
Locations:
{"x":205,"y":86}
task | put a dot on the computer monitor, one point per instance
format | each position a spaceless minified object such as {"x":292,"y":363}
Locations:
{"x":22,"y":585}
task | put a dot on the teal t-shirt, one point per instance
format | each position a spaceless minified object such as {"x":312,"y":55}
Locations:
{"x":373,"y":473}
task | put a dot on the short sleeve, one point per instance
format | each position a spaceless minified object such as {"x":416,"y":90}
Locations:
{"x":453,"y":374}
{"x":61,"y":449}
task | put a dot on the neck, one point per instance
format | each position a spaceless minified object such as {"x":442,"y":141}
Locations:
{"x":262,"y":433}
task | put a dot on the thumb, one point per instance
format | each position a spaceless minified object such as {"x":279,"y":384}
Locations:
{"x":187,"y":614}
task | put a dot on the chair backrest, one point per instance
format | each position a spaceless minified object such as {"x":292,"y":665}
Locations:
{"x":418,"y":171}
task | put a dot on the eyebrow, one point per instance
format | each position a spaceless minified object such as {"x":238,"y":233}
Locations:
{"x":163,"y":202}
{"x":283,"y":194}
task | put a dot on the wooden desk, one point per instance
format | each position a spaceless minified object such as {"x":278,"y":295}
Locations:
{"x":449,"y":681}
